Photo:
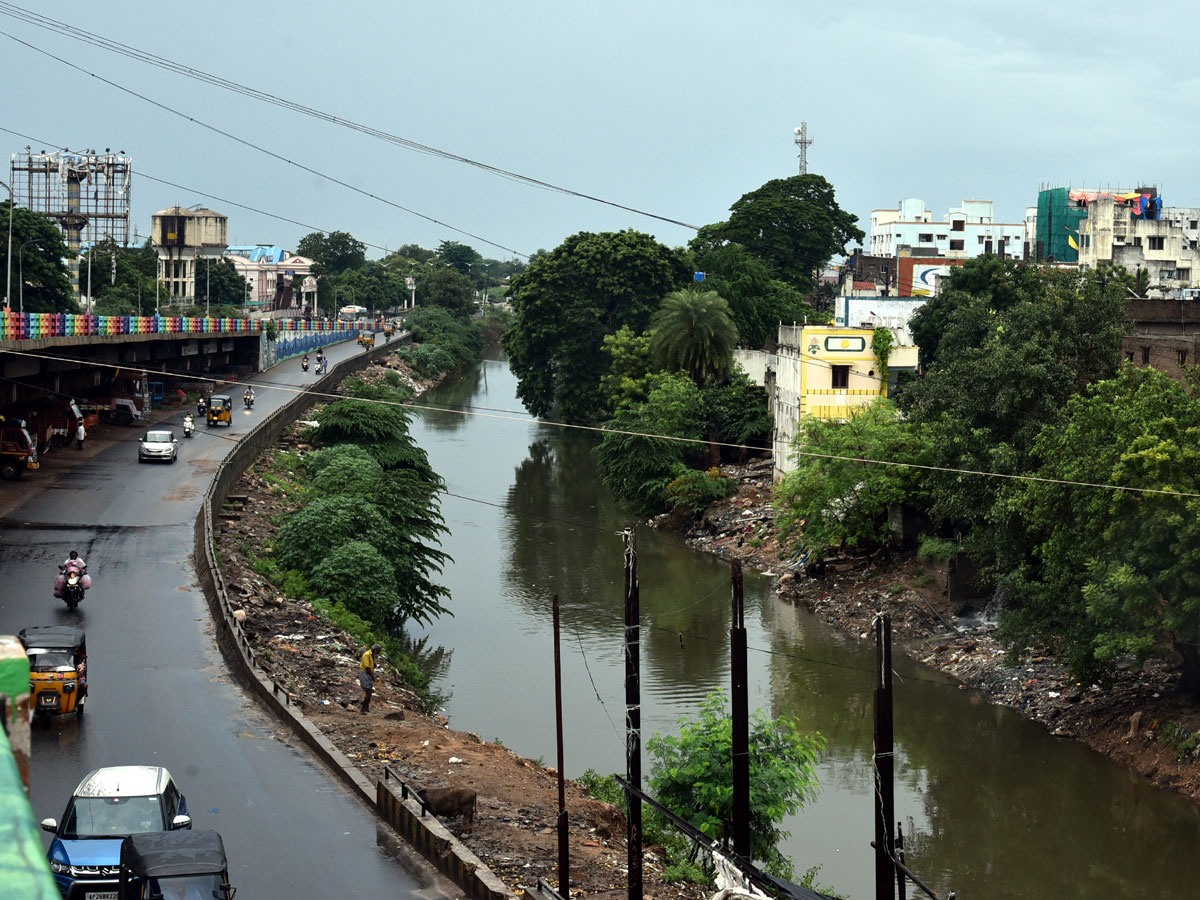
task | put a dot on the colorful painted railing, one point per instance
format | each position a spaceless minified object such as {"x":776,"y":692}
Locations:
{"x":33,"y":326}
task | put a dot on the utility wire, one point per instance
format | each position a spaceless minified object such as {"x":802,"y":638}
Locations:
{"x":597,"y":429}
{"x":144,"y":56}
{"x":253,"y":146}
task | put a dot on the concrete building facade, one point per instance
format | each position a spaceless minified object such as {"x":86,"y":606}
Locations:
{"x":965,"y":232}
{"x":184,"y":238}
{"x":275,"y":278}
{"x":1114,"y":232}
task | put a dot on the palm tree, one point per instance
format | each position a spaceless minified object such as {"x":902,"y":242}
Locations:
{"x":694,"y":333}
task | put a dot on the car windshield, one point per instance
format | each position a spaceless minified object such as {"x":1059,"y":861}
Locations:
{"x":112,"y":817}
{"x":52,"y":661}
{"x":187,"y":887}
{"x":157,"y":437}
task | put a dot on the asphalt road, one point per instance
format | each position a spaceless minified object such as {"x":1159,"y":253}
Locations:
{"x":158,"y":690}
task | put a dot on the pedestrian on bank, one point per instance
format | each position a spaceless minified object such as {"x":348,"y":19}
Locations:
{"x":80,"y":434}
{"x":366,"y":676}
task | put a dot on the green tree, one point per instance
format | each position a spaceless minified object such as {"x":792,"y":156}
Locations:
{"x":380,"y":430}
{"x":359,"y":577}
{"x":636,"y":458}
{"x":1116,"y":572}
{"x":737,"y":408}
{"x":628,"y":378}
{"x":693,"y":333}
{"x":1016,"y":343}
{"x":568,"y":300}
{"x":332,"y":253}
{"x":458,"y":256}
{"x":793,"y":224}
{"x":758,"y":302}
{"x":447,"y":288}
{"x":39,"y":254}
{"x":416,"y":253}
{"x":831,"y":499}
{"x":692,"y":775}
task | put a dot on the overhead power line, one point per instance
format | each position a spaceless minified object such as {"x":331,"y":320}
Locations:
{"x":152,"y":59}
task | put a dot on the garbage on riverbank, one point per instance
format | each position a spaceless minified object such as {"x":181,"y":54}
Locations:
{"x":1142,"y":719}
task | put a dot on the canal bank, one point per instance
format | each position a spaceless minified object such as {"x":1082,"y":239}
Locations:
{"x":992,"y":804}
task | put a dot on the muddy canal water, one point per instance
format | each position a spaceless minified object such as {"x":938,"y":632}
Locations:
{"x":992,"y":805}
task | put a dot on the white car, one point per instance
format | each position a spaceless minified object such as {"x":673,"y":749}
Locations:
{"x":160,"y":445}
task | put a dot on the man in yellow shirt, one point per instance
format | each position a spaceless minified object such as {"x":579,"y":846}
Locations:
{"x":366,"y":676}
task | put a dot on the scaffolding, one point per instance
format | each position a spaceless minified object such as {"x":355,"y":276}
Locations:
{"x":87,"y":194}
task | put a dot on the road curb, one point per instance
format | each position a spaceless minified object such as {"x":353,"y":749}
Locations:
{"x":425,"y":834}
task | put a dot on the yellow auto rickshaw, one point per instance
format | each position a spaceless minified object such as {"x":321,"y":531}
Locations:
{"x":220,"y":409}
{"x":57,"y":667}
{"x":389,"y":331}
{"x":367,"y":341}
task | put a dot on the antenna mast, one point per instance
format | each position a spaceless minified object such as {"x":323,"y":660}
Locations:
{"x":803,"y":141}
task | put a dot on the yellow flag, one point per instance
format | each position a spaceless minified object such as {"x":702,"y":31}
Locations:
{"x":1071,"y":241}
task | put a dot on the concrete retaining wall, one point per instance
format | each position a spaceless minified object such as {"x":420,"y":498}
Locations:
{"x":425,"y":834}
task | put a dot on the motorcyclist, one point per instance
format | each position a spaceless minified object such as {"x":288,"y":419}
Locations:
{"x":75,"y":561}
{"x":248,"y":396}
{"x":202,"y":405}
{"x":304,"y":363}
{"x":189,"y":424}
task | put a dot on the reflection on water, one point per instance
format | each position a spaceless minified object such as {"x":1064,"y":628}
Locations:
{"x":992,"y":806}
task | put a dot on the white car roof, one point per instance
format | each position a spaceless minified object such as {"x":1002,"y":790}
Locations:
{"x":115,"y":781}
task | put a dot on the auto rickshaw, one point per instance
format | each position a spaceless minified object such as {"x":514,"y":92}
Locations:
{"x":57,"y":669}
{"x":174,"y":865}
{"x":220,"y":409}
{"x":366,"y":341}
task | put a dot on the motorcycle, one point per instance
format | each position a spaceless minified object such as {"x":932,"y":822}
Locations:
{"x":248,"y":399}
{"x":71,"y":583}
{"x":304,"y":364}
{"x":189,"y":425}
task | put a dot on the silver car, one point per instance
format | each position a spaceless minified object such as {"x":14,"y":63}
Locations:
{"x":160,"y":445}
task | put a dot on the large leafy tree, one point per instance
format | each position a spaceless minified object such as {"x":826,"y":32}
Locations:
{"x":332,"y":253}
{"x":1016,"y":343}
{"x":693,"y":333}
{"x":38,"y":262}
{"x":449,"y":289}
{"x":1116,"y":572}
{"x":692,"y":774}
{"x":793,"y":224}
{"x":758,"y":301}
{"x":458,"y":256}
{"x":568,"y":300}
{"x":832,"y":498}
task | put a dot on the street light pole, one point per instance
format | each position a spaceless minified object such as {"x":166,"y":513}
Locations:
{"x":8,"y":256}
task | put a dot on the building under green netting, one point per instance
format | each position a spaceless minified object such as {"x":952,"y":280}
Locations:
{"x":1058,"y":219}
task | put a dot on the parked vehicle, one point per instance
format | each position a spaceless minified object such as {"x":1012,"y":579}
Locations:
{"x":106,"y":807}
{"x":18,"y":451}
{"x":158,"y":445}
{"x":58,"y":669}
{"x":220,"y":409}
{"x":174,"y":864}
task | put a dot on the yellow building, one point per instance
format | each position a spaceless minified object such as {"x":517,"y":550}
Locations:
{"x":826,"y":371}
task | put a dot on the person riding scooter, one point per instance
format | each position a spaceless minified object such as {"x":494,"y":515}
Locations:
{"x":248,"y":397}
{"x":304,"y":363}
{"x":189,"y":425}
{"x":202,"y":406}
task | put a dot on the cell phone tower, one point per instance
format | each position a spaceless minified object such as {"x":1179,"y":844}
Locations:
{"x":86,"y":193}
{"x":803,"y":141}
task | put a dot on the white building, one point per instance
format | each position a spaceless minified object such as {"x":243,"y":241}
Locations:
{"x":275,"y":278}
{"x":965,"y":232}
{"x":1114,"y":233}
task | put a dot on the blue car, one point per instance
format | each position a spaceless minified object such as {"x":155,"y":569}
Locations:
{"x":109,"y":805}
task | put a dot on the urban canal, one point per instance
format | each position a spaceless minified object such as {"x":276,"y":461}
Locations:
{"x":991,"y":804}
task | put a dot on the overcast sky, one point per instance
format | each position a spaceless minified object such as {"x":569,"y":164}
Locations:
{"x":670,"y":107}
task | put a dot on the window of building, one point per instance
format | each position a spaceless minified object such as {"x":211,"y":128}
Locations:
{"x":1193,"y":224}
{"x":1154,"y":243}
{"x":841,"y":376}
{"x":1183,"y":274}
{"x":958,"y":225}
{"x":1183,"y":357}
{"x":1137,"y":242}
{"x":925,"y":238}
{"x":1129,"y":355}
{"x":957,"y":245}
{"x":941,"y":237}
{"x":1145,"y":356}
{"x":981,"y":239}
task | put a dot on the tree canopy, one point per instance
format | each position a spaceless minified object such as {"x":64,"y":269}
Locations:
{"x":39,"y":269}
{"x":793,"y":224}
{"x":332,"y":253}
{"x":446,"y":287}
{"x":693,"y":333}
{"x":568,"y":300}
